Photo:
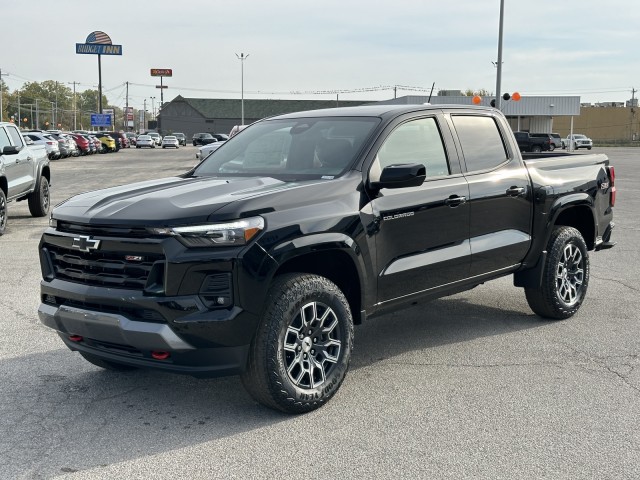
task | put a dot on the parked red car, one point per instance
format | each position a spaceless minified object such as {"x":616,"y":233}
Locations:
{"x":83,"y":143}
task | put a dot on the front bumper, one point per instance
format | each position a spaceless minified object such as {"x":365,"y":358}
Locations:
{"x":116,"y":338}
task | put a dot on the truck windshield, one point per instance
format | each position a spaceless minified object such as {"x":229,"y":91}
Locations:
{"x":297,"y":148}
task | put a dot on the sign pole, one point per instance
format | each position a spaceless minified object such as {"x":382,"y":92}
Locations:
{"x":99,"y":85}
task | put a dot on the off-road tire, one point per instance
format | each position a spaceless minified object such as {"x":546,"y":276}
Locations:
{"x":106,"y":364}
{"x":287,"y":346}
{"x":565,"y":277}
{"x":3,"y":212}
{"x":40,"y":199}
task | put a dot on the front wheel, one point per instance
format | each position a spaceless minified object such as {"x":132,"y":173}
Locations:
{"x":301,"y":351}
{"x":39,"y":199}
{"x":565,"y":277}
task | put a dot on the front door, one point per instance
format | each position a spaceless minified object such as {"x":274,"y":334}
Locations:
{"x":422,"y":237}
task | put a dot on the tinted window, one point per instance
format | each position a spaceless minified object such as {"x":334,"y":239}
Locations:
{"x":417,"y":141}
{"x":481,"y":141}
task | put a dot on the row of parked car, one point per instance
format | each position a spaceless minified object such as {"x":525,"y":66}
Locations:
{"x":59,"y":144}
{"x":542,"y":142}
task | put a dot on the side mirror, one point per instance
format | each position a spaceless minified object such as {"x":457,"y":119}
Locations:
{"x":401,"y":176}
{"x":11,"y":150}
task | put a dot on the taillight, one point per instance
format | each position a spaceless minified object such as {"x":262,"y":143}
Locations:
{"x":612,"y":179}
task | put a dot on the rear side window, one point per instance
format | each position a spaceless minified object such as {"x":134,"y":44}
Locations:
{"x":481,"y":142}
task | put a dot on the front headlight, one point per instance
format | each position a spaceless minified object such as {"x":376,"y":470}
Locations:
{"x":235,"y":233}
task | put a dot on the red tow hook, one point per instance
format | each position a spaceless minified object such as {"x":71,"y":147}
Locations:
{"x":76,"y":338}
{"x":160,"y":354}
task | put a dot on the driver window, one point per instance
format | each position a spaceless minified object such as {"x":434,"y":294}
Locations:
{"x":417,"y":141}
{"x":15,"y":136}
{"x":4,"y":140}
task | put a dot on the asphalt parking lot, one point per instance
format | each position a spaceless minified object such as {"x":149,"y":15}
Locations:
{"x":469,"y":386}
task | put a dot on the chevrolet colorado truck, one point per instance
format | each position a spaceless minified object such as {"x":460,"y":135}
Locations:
{"x":24,"y":173}
{"x":260,"y":260}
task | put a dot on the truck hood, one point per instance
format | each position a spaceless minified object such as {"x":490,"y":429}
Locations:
{"x":170,"y":201}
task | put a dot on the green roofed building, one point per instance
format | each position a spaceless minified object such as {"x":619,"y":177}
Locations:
{"x":196,"y":115}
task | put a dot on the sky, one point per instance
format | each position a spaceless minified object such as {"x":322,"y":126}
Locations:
{"x":350,"y":49}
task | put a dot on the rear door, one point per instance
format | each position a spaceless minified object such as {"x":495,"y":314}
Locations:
{"x":500,"y":196}
{"x":422,"y":233}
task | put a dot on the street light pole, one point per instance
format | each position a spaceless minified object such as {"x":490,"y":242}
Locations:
{"x":499,"y":73}
{"x":242,"y":57}
{"x":153,"y":108}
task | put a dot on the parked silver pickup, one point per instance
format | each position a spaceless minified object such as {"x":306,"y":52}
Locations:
{"x":24,"y":173}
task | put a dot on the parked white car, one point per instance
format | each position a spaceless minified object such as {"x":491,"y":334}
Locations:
{"x":50,"y":143}
{"x":170,"y":141}
{"x":145,"y":141}
{"x":578,"y":141}
{"x":156,"y":137}
{"x":205,"y":150}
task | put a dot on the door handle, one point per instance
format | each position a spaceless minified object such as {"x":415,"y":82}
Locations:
{"x":515,"y":191}
{"x":29,"y":159}
{"x":455,"y":200}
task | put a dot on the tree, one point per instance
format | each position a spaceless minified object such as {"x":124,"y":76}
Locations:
{"x":483,"y":92}
{"x":50,"y":105}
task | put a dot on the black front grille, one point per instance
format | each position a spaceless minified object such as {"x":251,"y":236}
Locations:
{"x":102,"y":268}
{"x":102,"y":230}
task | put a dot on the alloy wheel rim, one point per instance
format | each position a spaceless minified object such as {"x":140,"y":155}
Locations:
{"x":570,"y":275}
{"x":3,"y":211}
{"x":45,"y":196}
{"x":312,"y":345}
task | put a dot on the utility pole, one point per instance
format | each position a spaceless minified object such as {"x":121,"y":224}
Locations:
{"x":144,"y":116}
{"x":242,"y":57}
{"x":37,"y":116}
{"x":499,"y":73}
{"x":126,"y":111}
{"x":54,"y":117}
{"x":75,"y":110}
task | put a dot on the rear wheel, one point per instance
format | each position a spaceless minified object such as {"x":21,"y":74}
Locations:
{"x":106,"y":364}
{"x":536,"y":149}
{"x":3,"y":212}
{"x":301,"y":351}
{"x":552,"y":147}
{"x":39,"y":199}
{"x":565,"y":277}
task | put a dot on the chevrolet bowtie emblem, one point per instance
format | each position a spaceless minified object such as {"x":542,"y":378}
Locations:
{"x":85,"y":244}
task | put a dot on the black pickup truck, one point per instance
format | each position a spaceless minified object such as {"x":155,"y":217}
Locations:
{"x":261,"y":259}
{"x":533,"y":142}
